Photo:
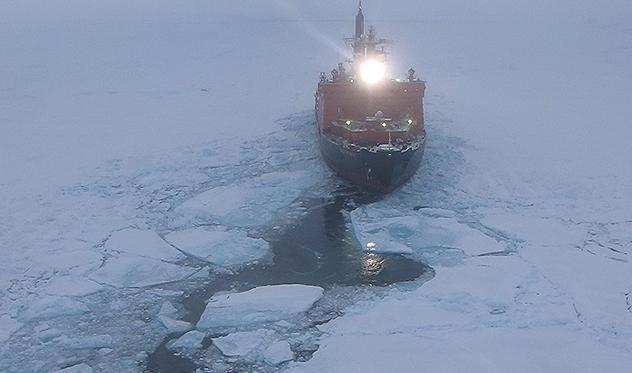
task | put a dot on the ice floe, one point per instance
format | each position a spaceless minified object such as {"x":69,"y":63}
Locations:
{"x":79,"y":368}
{"x":48,"y":307}
{"x":277,"y":353}
{"x":491,"y":350}
{"x":258,"y":305}
{"x":250,"y":204}
{"x":223,"y":248}
{"x":85,"y":342}
{"x":144,"y":243}
{"x":8,"y":325}
{"x":386,"y":230}
{"x":167,"y":309}
{"x":76,"y":286}
{"x":242,"y":343}
{"x":173,"y":325}
{"x":133,"y":271}
{"x":190,"y":340}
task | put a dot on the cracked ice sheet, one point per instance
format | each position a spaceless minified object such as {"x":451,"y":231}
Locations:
{"x":135,"y":272}
{"x":243,"y":343}
{"x":553,"y":349}
{"x":595,"y":282}
{"x":259,"y":305}
{"x":252,"y":203}
{"x":488,"y":314}
{"x":8,"y":325}
{"x":143,"y":243}
{"x":75,"y":286}
{"x":393,"y":232}
{"x":223,"y":248}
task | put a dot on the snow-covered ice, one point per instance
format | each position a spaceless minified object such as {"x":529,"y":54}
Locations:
{"x":85,"y":342}
{"x":48,"y":307}
{"x":76,"y":286}
{"x":8,"y":325}
{"x":250,"y":204}
{"x":131,"y":271}
{"x":388,"y":230}
{"x":167,"y":309}
{"x":175,"y":326}
{"x":135,"y":127}
{"x":143,"y":243}
{"x":446,"y":351}
{"x":188,"y":341}
{"x":259,"y":305}
{"x":79,"y":368}
{"x":242,"y":343}
{"x":223,"y":248}
{"x":277,"y":353}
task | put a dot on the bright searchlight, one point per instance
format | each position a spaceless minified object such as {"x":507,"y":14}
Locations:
{"x":372,"y":71}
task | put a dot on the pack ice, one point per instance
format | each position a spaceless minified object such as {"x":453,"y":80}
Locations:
{"x":259,"y":305}
{"x":223,"y":248}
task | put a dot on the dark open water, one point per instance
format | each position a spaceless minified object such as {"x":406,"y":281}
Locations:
{"x":319,"y":250}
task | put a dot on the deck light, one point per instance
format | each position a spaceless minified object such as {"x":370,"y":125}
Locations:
{"x":410,"y":121}
{"x":383,"y":124}
{"x":348,"y":122}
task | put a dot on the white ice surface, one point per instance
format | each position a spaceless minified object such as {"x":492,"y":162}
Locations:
{"x":125,"y":121}
{"x":387,"y":230}
{"x":534,"y":349}
{"x":48,"y":307}
{"x":167,"y":309}
{"x":79,"y":368}
{"x":242,"y":343}
{"x":8,"y":325}
{"x":76,"y":286}
{"x":251,"y":204}
{"x":277,"y":353}
{"x":258,"y":305}
{"x":131,"y":271}
{"x":143,"y":243}
{"x":89,"y":342}
{"x":188,"y":341}
{"x":219,"y":247}
{"x":173,"y":325}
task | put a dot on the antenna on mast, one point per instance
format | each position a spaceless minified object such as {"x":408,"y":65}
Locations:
{"x":359,"y":24}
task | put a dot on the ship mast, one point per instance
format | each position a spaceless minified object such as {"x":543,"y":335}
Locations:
{"x":359,"y":24}
{"x":365,"y":45}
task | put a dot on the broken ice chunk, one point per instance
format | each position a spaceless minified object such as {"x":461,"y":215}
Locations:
{"x":50,"y":307}
{"x":45,"y":335}
{"x":219,"y":247}
{"x":144,"y":243}
{"x":384,"y":230}
{"x":174,"y":326}
{"x":86,"y":342}
{"x":259,"y":305}
{"x":250,"y":204}
{"x":8,"y":326}
{"x":167,"y":309}
{"x":79,"y":368}
{"x":133,"y":271}
{"x":277,"y":353}
{"x":76,"y":286}
{"x":190,"y":340}
{"x":242,"y":343}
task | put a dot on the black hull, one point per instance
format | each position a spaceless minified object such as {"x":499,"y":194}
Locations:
{"x":381,"y":171}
